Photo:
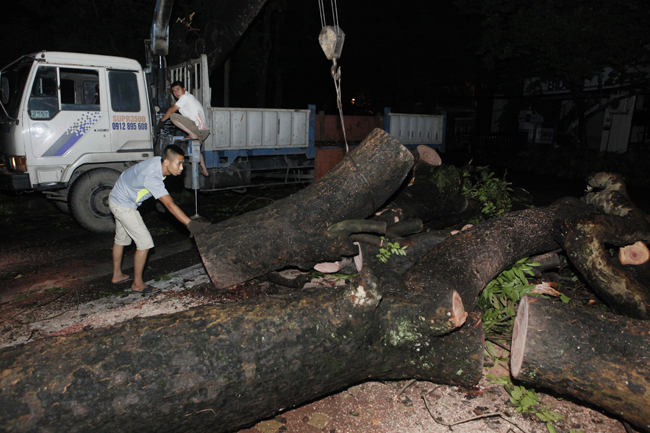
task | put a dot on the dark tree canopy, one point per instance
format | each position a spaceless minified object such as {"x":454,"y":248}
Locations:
{"x":569,"y":40}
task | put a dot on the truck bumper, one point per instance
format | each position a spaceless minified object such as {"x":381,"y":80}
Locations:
{"x":10,"y":181}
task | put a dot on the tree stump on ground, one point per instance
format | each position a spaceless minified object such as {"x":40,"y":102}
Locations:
{"x":597,"y":357}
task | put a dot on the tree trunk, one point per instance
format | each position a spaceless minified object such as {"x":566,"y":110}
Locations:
{"x":594,"y":356}
{"x":293,"y":232}
{"x":221,"y":368}
{"x":586,"y":248}
{"x":417,"y":246}
{"x":218,"y":37}
{"x":467,"y":261}
{"x":587,"y":242}
{"x":420,"y":197}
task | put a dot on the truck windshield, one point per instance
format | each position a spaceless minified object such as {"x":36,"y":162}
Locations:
{"x":14,"y":79}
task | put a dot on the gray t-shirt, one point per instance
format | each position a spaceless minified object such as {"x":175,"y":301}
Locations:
{"x":138,"y":183}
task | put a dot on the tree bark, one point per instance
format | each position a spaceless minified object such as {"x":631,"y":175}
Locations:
{"x":225,"y":367}
{"x":217,"y":37}
{"x":597,"y":357}
{"x":586,"y":241}
{"x":420,"y":197}
{"x":467,"y":261}
{"x":417,"y":246}
{"x":586,"y":247}
{"x":293,"y":232}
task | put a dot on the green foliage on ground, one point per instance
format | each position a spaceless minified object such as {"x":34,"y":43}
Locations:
{"x":500,"y":298}
{"x":492,"y":192}
{"x":499,"y":302}
{"x":527,"y":401}
{"x":476,"y":183}
{"x":390,"y":249}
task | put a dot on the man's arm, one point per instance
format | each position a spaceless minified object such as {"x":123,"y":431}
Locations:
{"x":168,"y":201}
{"x":172,"y":109}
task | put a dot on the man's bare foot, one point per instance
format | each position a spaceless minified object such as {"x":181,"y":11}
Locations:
{"x":120,"y":279}
{"x":138,"y":288}
{"x":147,"y":290}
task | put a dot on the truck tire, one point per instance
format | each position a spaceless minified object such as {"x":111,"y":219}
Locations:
{"x":88,"y":200}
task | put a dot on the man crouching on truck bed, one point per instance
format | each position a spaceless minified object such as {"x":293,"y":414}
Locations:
{"x":134,"y":186}
{"x":191,"y":119}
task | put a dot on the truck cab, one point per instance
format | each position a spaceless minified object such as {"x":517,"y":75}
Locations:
{"x":70,"y":124}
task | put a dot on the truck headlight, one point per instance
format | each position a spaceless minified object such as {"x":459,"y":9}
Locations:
{"x":18,"y":163}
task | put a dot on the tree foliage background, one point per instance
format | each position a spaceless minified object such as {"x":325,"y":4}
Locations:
{"x":413,"y":56}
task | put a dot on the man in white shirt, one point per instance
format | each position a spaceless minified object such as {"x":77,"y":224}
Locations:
{"x":191,"y":119}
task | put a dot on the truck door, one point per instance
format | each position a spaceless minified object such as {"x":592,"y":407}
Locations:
{"x":129,"y":124}
{"x":67,"y":118}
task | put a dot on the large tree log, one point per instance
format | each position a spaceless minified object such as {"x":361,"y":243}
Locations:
{"x":420,"y":196}
{"x":586,"y":241}
{"x":417,"y":246}
{"x":466,"y":262}
{"x":292,"y":232}
{"x":220,"y":368}
{"x":597,"y":357}
{"x":585,"y":244}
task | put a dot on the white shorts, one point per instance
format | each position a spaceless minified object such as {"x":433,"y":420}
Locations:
{"x":129,"y":225}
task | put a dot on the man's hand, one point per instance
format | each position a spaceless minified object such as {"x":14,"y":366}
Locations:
{"x":198,"y":226}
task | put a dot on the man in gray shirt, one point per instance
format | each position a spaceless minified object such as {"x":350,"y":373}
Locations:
{"x":134,"y":186}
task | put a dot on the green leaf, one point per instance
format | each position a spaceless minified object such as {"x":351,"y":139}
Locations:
{"x":517,"y":392}
{"x":491,"y":349}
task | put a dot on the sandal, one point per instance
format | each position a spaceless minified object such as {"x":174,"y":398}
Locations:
{"x":147,"y":290}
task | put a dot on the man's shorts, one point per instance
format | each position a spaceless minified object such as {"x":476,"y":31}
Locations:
{"x":129,"y":225}
{"x":189,"y":124}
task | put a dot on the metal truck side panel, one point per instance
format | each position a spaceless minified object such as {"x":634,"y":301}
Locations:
{"x":253,"y":128}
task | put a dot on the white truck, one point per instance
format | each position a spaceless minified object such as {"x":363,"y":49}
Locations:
{"x":71,"y":123}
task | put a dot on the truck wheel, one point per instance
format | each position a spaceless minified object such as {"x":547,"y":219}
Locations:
{"x":88,"y":200}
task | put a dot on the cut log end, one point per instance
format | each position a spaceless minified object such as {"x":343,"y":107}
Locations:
{"x":328,"y":267}
{"x":636,"y":254}
{"x":429,"y":155}
{"x":519,"y":332}
{"x":459,"y":315}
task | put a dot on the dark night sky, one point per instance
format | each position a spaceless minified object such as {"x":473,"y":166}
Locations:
{"x":395,"y":53}
{"x":413,"y":55}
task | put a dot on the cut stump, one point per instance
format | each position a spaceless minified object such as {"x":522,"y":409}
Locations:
{"x":597,"y":357}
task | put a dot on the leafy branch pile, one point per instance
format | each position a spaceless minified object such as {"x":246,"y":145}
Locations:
{"x":527,"y":401}
{"x":499,"y":302}
{"x":476,"y":183}
{"x":500,"y":299}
